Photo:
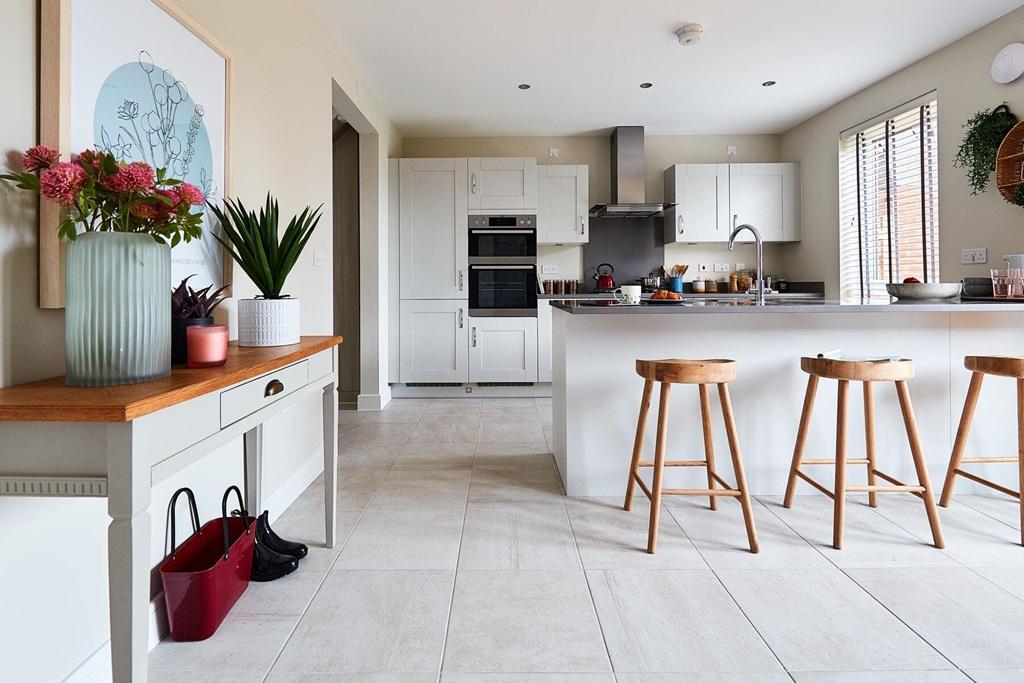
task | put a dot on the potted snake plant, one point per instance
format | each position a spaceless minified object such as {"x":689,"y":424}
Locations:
{"x":271,"y":319}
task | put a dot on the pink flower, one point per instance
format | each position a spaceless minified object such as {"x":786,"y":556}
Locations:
{"x":61,"y":182}
{"x":162,"y":209}
{"x":144,"y":211}
{"x":88,"y":158}
{"x":133,"y":177}
{"x":39,"y":158}
{"x":190,"y":194}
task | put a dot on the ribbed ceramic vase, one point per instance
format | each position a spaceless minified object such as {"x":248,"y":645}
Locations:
{"x":118,"y":310}
{"x":268,"y":322}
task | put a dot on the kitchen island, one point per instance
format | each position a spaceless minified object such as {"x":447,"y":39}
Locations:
{"x":596,"y":391}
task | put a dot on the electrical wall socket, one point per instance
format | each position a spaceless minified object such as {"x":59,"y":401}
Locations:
{"x":553,"y":152}
{"x":549,"y":269}
{"x":319,"y":259}
{"x":977,"y":255}
{"x":731,"y":150}
{"x":741,"y":266}
{"x":721,"y":267}
{"x":703,"y":268}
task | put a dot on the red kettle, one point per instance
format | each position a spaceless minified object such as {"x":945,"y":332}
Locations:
{"x":603,"y":276}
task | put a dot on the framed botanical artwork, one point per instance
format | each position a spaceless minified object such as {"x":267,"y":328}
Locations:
{"x":141,"y":80}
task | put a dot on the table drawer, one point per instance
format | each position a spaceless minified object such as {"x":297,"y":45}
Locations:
{"x":237,"y":402}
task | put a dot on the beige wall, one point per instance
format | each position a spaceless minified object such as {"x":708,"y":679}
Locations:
{"x":285,"y":60}
{"x":960,"y":74}
{"x":595,"y":151}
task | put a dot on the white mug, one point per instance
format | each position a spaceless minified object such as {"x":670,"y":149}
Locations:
{"x":628,"y":294}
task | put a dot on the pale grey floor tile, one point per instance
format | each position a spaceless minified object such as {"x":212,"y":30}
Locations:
{"x":972,"y":538}
{"x":776,"y":677}
{"x":721,"y":536}
{"x":501,"y":428}
{"x":505,"y":456}
{"x":972,"y":621}
{"x":436,"y":456}
{"x":531,"y":484}
{"x":950,"y":676}
{"x":442,"y":428}
{"x":539,"y":621}
{"x":377,"y":432}
{"x":675,"y":621}
{"x":405,"y":537}
{"x":495,"y":403}
{"x":438,"y":403}
{"x":355,"y":489}
{"x":1003,"y":508}
{"x":822,"y":621}
{"x":366,"y":456}
{"x":374,"y":622}
{"x":997,"y":675}
{"x":203,"y":677}
{"x":520,"y":413}
{"x":1010,"y":579}
{"x":414,"y":487}
{"x":527,"y":678}
{"x":307,"y":526}
{"x":518,"y":536}
{"x":611,"y":538}
{"x":391,"y":414}
{"x":869,"y":539}
{"x":288,"y":596}
{"x":549,"y":436}
{"x":302,"y":677}
{"x":243,"y":645}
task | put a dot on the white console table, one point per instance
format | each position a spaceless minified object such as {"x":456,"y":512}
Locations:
{"x":117,"y":442}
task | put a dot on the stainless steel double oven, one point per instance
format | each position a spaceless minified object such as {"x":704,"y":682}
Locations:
{"x":503,"y":265}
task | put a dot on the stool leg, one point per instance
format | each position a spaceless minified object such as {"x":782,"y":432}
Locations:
{"x":966,"y":418}
{"x":801,"y":439}
{"x":709,"y":443}
{"x":840,"y":488}
{"x":737,"y":464}
{"x":869,"y":440}
{"x":638,"y":442}
{"x":1020,"y":451}
{"x":919,"y":463}
{"x":659,"y":466}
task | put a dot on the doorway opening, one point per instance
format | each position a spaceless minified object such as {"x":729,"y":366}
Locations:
{"x":345,"y":149}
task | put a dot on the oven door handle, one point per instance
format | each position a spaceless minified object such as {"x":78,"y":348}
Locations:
{"x":495,"y":231}
{"x":502,"y":267}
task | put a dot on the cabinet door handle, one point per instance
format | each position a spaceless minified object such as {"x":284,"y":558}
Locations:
{"x":583,"y":225}
{"x":461,"y":322}
{"x":472,"y":182}
{"x":460,"y":279}
{"x":274,"y":387}
{"x":735,"y":217}
{"x":681,"y":231}
{"x":473,"y":341}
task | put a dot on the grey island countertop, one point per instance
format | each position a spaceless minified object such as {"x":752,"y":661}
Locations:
{"x":690,"y":306}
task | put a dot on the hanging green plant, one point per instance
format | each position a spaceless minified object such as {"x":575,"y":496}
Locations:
{"x":977,"y":153}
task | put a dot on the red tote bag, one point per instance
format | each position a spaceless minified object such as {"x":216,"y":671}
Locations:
{"x":209,"y":572}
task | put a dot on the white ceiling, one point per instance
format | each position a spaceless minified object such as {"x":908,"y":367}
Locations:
{"x":450,"y":67}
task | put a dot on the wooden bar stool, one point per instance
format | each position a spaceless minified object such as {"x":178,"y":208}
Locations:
{"x":980,"y":366}
{"x":702,"y":373}
{"x":867,"y":372}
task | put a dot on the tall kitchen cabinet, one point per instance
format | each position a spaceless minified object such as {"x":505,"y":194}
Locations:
{"x":434,"y":270}
{"x":503,"y":183}
{"x":563,"y":204}
{"x":713,"y":198}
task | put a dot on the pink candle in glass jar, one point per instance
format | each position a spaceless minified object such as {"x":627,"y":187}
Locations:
{"x":207,"y":345}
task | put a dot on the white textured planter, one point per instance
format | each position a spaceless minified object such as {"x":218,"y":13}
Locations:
{"x":268,"y":322}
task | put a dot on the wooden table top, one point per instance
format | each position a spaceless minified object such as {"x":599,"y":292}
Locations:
{"x":50,"y":400}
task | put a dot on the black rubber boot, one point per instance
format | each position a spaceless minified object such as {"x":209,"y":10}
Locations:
{"x":266,"y":536}
{"x":268,"y":565}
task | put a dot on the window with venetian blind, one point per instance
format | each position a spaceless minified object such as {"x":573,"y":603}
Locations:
{"x":888,"y":200}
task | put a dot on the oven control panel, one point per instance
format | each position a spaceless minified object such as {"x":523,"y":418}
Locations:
{"x":505,"y":221}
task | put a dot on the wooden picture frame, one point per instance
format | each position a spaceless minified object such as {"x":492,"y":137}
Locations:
{"x":55,"y":126}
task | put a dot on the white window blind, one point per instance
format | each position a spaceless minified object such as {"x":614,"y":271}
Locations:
{"x":888,"y":202}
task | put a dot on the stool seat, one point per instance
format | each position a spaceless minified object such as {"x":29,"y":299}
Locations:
{"x":1003,"y":366}
{"x":859,"y":370}
{"x":681,"y":371}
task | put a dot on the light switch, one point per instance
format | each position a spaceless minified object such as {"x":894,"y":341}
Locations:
{"x":319,"y":258}
{"x":549,"y":269}
{"x":553,"y":152}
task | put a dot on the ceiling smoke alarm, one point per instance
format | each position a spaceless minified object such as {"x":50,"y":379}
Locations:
{"x":688,"y":34}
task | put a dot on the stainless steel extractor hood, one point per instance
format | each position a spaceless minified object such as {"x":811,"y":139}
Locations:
{"x":629,"y":169}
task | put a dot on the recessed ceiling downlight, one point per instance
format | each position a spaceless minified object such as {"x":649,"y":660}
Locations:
{"x":688,"y":34}
{"x":645,"y":85}
{"x":524,"y":86}
{"x":768,"y":84}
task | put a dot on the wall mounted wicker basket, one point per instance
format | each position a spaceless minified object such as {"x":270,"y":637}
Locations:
{"x":1010,"y":165}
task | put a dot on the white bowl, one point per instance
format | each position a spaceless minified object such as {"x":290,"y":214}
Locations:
{"x":924,"y":291}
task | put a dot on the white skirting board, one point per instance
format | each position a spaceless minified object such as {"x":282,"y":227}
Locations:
{"x":96,"y":668}
{"x":537,"y":390}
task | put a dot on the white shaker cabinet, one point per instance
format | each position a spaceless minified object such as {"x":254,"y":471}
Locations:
{"x":767,"y":197}
{"x":563,"y":204}
{"x":502,"y":183}
{"x":434,"y":229}
{"x":434,"y":341}
{"x":545,"y":357}
{"x":701,"y":195}
{"x":503,"y":350}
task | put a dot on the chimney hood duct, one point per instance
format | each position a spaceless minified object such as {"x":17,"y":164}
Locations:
{"x":629,"y":172}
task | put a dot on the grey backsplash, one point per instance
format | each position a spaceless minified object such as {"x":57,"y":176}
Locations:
{"x":634,"y":247}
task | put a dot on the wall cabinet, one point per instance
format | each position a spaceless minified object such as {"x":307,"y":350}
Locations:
{"x":434,"y":341}
{"x":545,"y":357}
{"x":434,"y":229}
{"x":502,"y":183}
{"x":563,"y":204}
{"x":503,"y":350}
{"x":713,"y":198}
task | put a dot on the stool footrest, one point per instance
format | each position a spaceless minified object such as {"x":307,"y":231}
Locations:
{"x":642,"y":485}
{"x":721,"y":481}
{"x":983,"y":460}
{"x":885,"y":489}
{"x":674,"y":463}
{"x":988,"y":483}
{"x":832,"y":461}
{"x":700,"y":492}
{"x":896,"y":482}
{"x":815,"y":484}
